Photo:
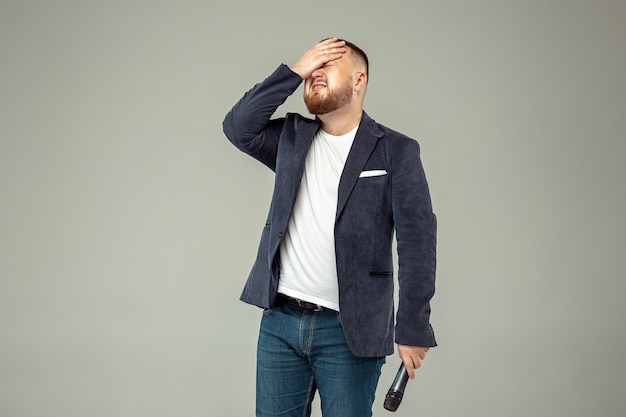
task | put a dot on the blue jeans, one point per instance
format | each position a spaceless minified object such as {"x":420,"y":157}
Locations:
{"x":302,"y":352}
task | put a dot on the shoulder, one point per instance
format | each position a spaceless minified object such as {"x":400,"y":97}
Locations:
{"x":391,"y":138}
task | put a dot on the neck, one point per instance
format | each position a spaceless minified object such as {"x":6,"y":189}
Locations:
{"x":341,"y":121}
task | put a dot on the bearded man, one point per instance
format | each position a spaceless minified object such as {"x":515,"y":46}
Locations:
{"x":324,"y":273}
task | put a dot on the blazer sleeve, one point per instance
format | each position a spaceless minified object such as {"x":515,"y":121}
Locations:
{"x":416,"y":228}
{"x":248,"y":124}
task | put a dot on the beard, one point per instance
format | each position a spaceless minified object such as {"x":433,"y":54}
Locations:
{"x":334,"y":99}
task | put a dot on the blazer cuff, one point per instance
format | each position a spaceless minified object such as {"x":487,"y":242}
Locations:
{"x":422,"y":337}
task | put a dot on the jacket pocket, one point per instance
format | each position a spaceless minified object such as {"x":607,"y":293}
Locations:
{"x":383,"y":274}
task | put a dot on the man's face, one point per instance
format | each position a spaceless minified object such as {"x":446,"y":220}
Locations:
{"x":329,"y":87}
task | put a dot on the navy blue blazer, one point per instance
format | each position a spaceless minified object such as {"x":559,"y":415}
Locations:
{"x":369,"y":210}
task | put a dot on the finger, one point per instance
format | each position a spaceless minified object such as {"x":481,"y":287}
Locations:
{"x":410,"y":368}
{"x":335,"y":46}
{"x":330,"y":54}
{"x":326,"y":56}
{"x":417,"y":362}
{"x":331,"y":42}
{"x":331,"y":46}
{"x":317,"y":56}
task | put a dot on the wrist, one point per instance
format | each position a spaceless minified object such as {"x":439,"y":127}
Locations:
{"x":298,"y":70}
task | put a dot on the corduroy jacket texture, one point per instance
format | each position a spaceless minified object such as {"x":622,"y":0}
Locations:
{"x":370,"y":209}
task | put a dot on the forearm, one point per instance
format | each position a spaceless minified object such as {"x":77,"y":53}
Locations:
{"x":416,"y":278}
{"x":248,"y":124}
{"x":416,"y":230}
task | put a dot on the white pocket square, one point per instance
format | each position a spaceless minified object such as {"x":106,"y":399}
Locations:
{"x":372,"y":173}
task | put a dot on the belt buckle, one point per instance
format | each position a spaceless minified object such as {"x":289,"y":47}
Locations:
{"x":305,"y":305}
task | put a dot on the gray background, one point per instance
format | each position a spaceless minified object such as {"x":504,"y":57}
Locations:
{"x":128,"y":223}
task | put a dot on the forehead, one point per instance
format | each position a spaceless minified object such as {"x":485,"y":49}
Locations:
{"x":347,"y":60}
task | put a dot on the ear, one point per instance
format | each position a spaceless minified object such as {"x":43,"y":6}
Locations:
{"x":361,"y":81}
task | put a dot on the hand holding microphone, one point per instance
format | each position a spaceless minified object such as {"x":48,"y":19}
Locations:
{"x":396,"y":391}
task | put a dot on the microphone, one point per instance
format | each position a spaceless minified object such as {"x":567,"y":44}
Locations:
{"x":396,"y":392}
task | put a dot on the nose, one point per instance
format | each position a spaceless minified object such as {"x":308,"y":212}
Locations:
{"x":317,"y":73}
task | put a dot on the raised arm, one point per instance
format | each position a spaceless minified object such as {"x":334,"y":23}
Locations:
{"x":248,"y":125}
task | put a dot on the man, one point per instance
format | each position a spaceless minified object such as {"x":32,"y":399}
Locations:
{"x":324,"y":269}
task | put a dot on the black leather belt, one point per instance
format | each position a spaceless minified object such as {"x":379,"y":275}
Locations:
{"x":282,"y":299}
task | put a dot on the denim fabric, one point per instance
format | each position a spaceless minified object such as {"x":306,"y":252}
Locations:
{"x":300,"y":353}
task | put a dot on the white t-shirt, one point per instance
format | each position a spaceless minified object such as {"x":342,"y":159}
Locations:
{"x":308,"y":269}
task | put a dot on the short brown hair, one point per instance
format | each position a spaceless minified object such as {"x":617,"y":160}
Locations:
{"x":360,"y":54}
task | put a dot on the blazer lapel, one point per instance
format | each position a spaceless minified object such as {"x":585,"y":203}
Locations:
{"x":288,"y":182}
{"x":364,"y":143}
{"x":301,"y":148}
